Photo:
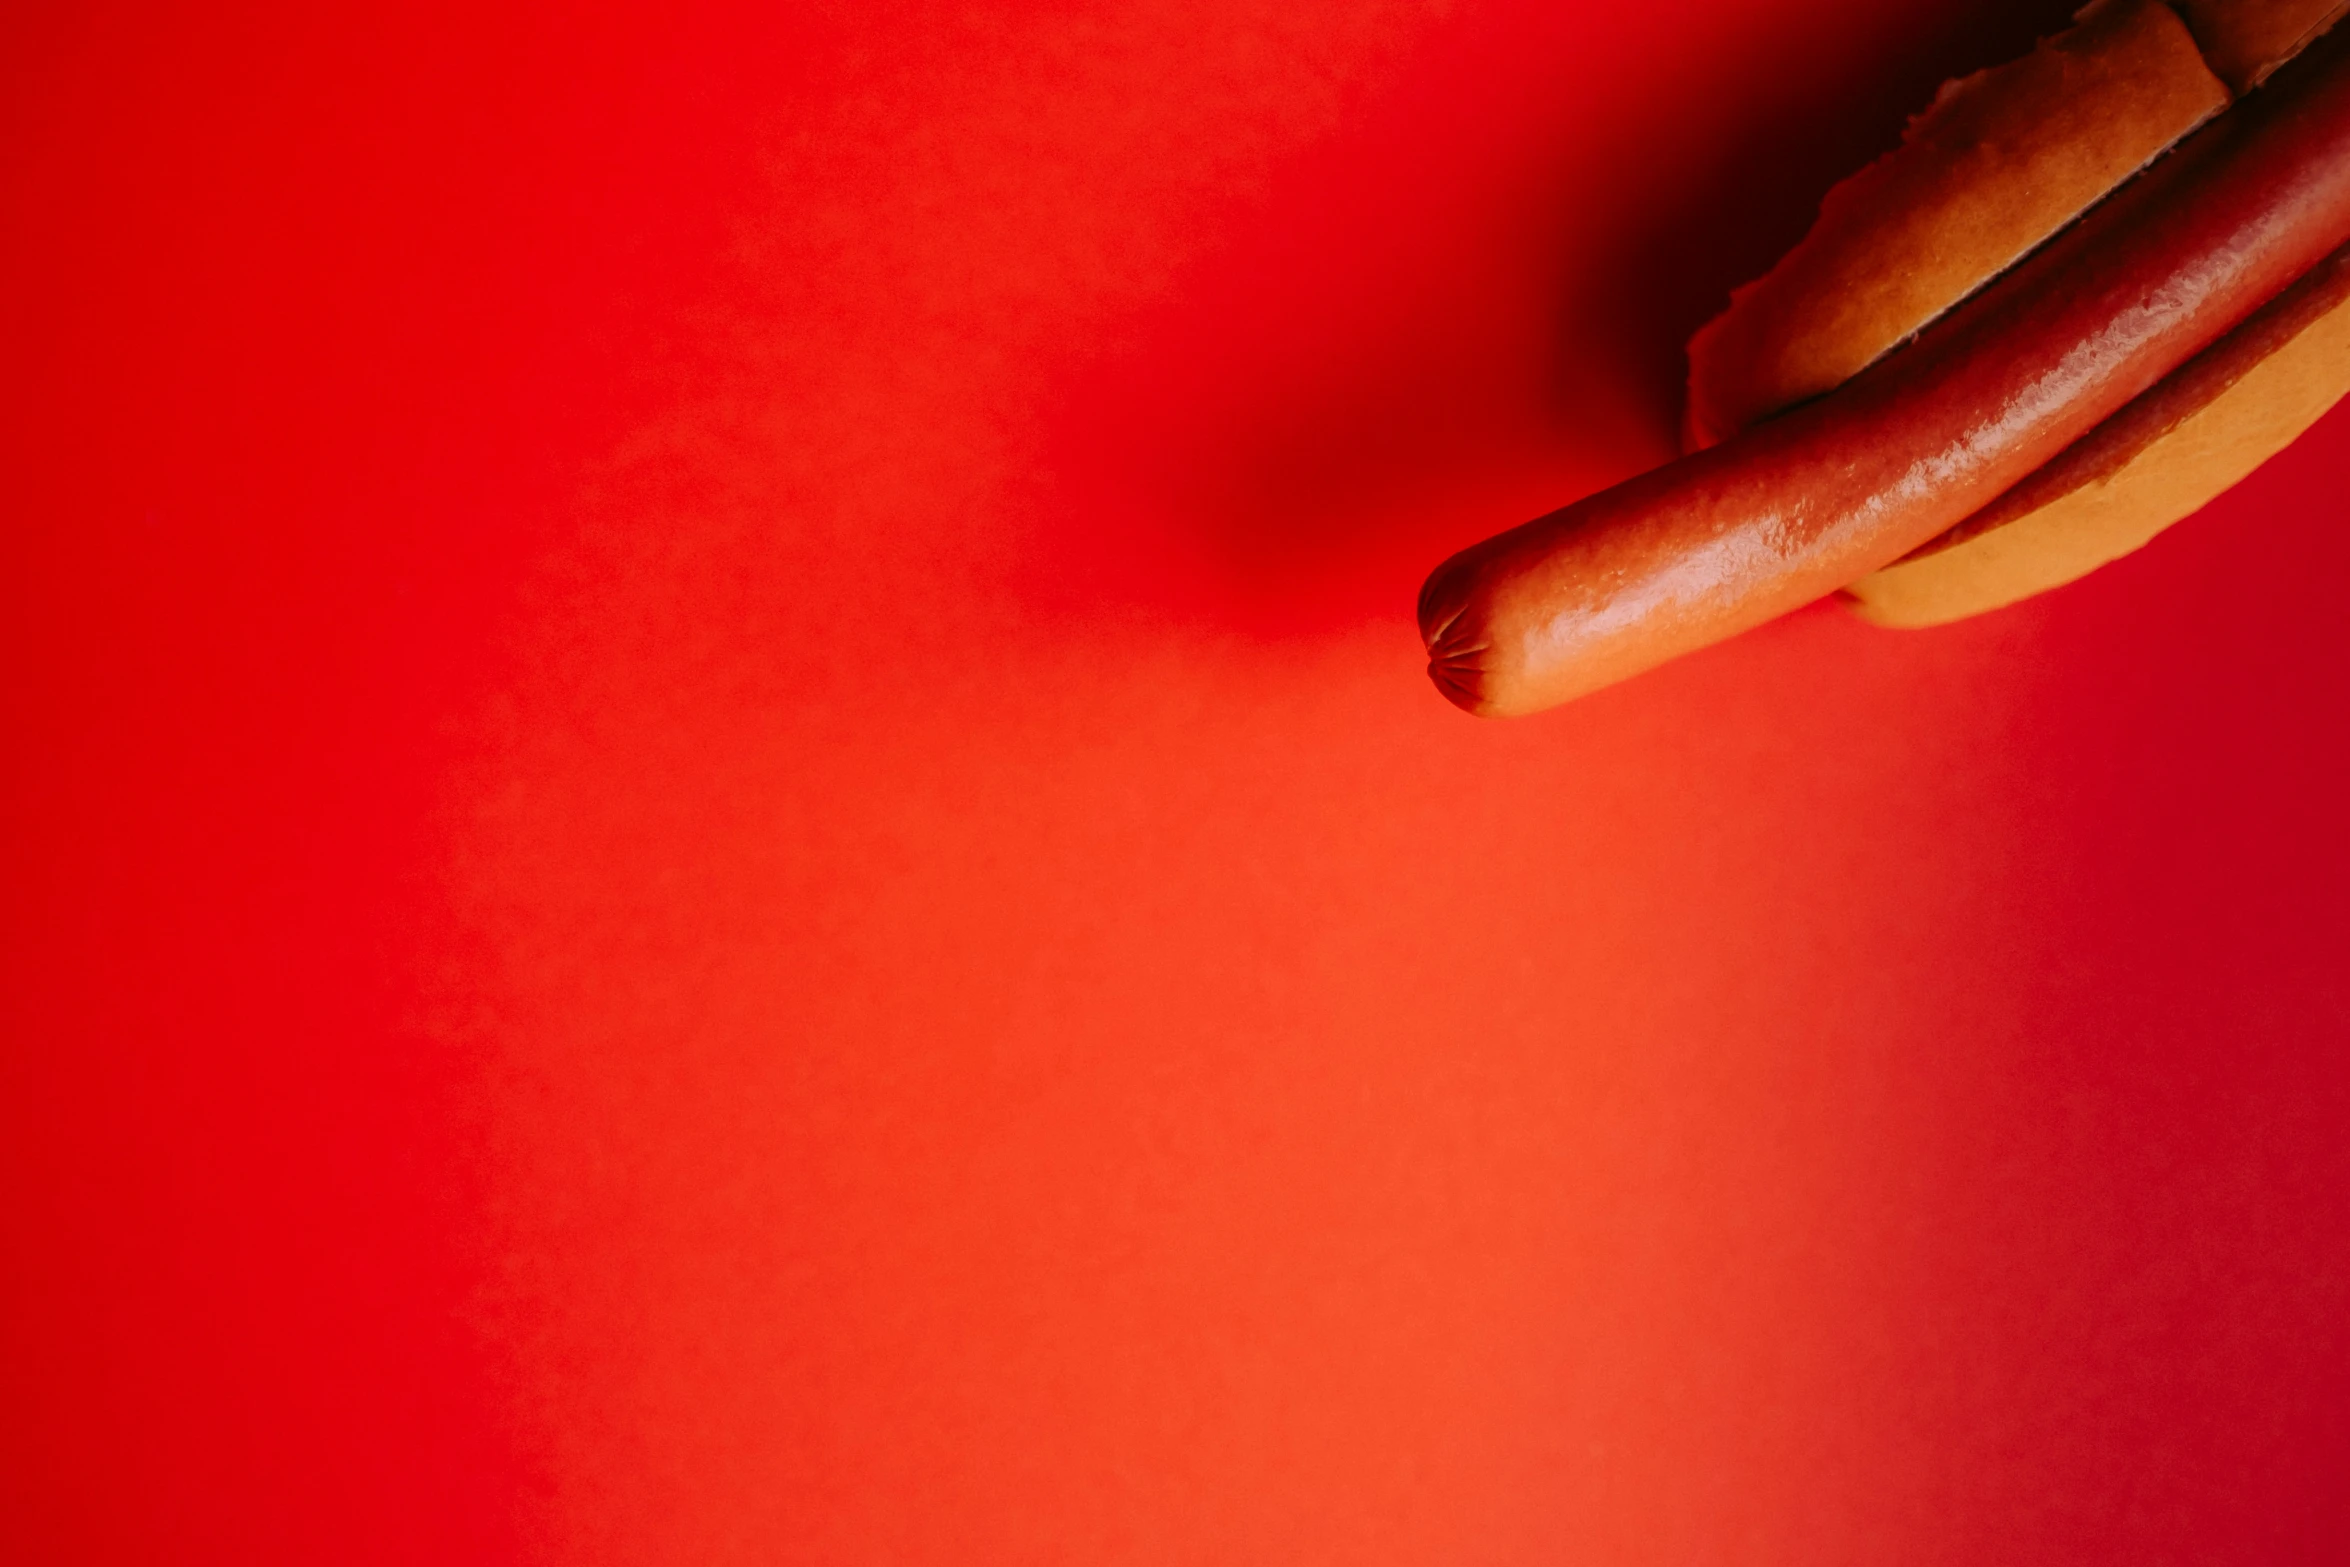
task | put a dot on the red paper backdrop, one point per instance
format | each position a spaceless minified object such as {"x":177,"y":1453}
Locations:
{"x":723,"y":841}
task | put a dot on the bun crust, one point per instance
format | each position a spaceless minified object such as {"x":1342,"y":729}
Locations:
{"x":2000,"y":162}
{"x":2196,"y":434}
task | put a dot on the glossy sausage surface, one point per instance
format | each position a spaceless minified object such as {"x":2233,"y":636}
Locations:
{"x":1733,"y":536}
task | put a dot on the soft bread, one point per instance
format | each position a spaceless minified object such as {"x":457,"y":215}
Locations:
{"x":2202,"y":429}
{"x":2244,"y":40}
{"x":2001,"y":161}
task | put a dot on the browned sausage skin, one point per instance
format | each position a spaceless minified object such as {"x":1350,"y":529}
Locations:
{"x":1728,"y":538}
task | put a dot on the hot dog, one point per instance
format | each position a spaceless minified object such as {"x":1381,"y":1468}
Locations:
{"x":1998,"y":163}
{"x":1924,"y":437}
{"x":2169,"y":453}
{"x":2201,"y":429}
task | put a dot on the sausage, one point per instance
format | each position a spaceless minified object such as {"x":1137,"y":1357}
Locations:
{"x":1999,"y":163}
{"x":2203,"y":427}
{"x":1732,"y":536}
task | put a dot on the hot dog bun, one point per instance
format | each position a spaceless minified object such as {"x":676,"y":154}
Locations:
{"x":2001,"y":161}
{"x":2197,"y":433}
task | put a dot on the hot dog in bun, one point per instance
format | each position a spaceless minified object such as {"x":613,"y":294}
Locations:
{"x":2089,"y":290}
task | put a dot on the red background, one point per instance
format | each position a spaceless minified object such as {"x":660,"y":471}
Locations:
{"x":724,"y":843}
